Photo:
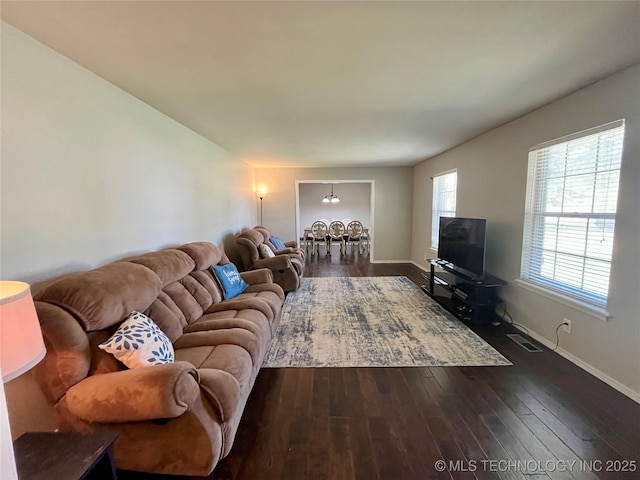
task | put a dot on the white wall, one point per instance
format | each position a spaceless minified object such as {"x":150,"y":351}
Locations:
{"x":492,"y":176}
{"x":90,"y":174}
{"x":355,"y":203}
{"x":391,"y":223}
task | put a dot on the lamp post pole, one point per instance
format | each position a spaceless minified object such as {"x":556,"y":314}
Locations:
{"x":261,"y":197}
{"x":261,"y":193}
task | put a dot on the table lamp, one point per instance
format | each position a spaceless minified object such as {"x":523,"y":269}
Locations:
{"x":21,"y":348}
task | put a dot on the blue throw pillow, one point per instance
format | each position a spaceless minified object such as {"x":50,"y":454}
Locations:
{"x":230,"y":280}
{"x":279,"y":244}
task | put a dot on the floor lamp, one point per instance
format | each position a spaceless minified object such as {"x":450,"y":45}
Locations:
{"x":21,"y":348}
{"x":261,"y":195}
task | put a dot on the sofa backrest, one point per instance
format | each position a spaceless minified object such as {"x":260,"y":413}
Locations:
{"x":265,"y":231}
{"x":101,"y":297}
{"x":267,"y":235}
{"x":78,"y":311}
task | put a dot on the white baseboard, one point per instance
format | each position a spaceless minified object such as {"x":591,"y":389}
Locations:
{"x":391,"y":261}
{"x":632,"y":394}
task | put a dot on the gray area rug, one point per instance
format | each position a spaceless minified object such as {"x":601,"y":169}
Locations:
{"x":372,"y":322}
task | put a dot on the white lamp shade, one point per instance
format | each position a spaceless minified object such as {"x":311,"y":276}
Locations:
{"x":21,"y":343}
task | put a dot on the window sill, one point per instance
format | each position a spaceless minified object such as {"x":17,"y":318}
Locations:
{"x":596,"y":312}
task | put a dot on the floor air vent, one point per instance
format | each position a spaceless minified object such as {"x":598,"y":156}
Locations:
{"x":524,"y":343}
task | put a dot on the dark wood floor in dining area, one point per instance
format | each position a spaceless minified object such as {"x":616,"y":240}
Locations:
{"x":542,"y":416}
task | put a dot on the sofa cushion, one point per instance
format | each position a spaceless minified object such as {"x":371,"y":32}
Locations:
{"x":249,"y":319}
{"x":252,"y":320}
{"x":271,"y":299}
{"x":227,"y":336}
{"x":167,"y":316}
{"x":229,"y":358}
{"x":184,"y":300}
{"x":138,"y":342}
{"x":240,"y":303}
{"x":207,"y":279}
{"x":230,"y":280}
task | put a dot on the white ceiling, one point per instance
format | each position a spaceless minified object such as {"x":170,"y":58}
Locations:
{"x":339,"y":83}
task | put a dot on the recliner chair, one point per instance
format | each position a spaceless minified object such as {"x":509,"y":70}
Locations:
{"x":286,"y":270}
{"x":291,"y":247}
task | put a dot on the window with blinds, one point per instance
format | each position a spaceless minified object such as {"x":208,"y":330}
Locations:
{"x":572,"y":196}
{"x":444,"y":201}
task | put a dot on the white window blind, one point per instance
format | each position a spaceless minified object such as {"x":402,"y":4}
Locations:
{"x":572,"y":196}
{"x":444,"y":201}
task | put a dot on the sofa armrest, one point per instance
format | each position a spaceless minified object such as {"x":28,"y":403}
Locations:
{"x":223,"y":391}
{"x":298,"y":266}
{"x":147,"y":393}
{"x":254,"y":277}
{"x":284,"y":251}
{"x":279,"y":262}
{"x":291,"y":244}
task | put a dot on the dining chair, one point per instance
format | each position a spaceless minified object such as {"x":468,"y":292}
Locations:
{"x":336,"y":234}
{"x":320,"y":234}
{"x":365,"y":240}
{"x":354,"y":235}
{"x":306,"y":240}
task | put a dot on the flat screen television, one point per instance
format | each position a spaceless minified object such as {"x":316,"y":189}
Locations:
{"x":461,"y":243}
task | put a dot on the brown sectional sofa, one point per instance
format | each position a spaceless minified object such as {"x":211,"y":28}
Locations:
{"x":179,"y":418}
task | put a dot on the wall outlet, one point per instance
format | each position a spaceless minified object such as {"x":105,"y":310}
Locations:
{"x":566,"y":328}
{"x":426,"y":257}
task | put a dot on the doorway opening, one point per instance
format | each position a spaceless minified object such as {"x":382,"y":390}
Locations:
{"x":356,"y":203}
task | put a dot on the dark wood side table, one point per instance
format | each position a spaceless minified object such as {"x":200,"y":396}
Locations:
{"x":65,"y":456}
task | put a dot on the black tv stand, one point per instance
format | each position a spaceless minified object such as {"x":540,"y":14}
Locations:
{"x":471,"y":299}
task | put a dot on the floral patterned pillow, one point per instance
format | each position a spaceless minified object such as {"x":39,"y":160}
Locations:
{"x":139,"y":342}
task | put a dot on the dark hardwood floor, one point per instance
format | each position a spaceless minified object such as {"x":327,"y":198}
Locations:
{"x":543,"y":416}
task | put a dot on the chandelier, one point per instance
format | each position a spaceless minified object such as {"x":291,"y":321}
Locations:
{"x":331,"y":198}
